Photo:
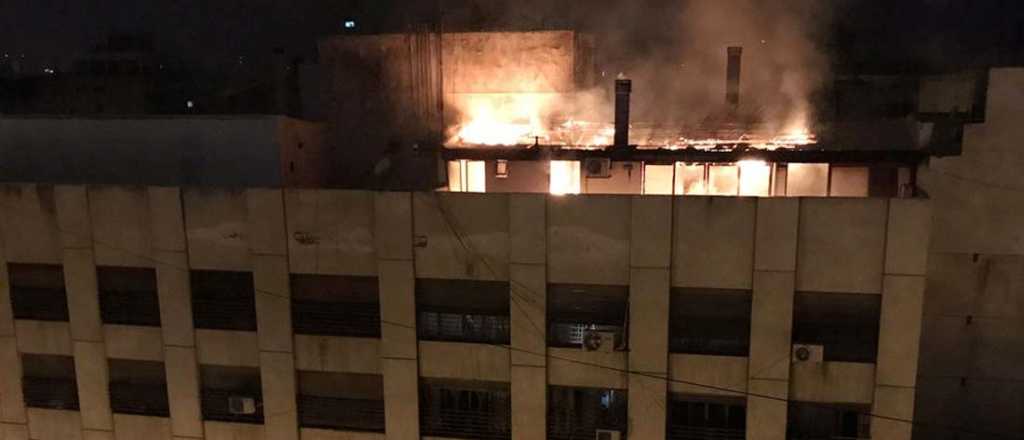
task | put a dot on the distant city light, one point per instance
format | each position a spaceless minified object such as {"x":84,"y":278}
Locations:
{"x":49,"y":71}
{"x":350,"y":24}
{"x":189,"y":104}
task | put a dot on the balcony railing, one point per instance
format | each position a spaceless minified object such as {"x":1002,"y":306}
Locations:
{"x":215,"y":406}
{"x":229,"y":313}
{"x":39,"y":304}
{"x":50,"y":393}
{"x":697,"y":433}
{"x":143,"y":400}
{"x":336,"y":318}
{"x":341,"y":414}
{"x":130,"y":308}
{"x":571,"y":335}
{"x":456,"y":327}
{"x":465,"y":424}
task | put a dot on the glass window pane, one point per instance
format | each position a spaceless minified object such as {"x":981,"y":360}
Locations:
{"x":690,"y":179}
{"x":755,"y":178}
{"x":723,"y":180}
{"x":658,"y":179}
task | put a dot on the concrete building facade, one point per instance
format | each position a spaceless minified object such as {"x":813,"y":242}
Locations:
{"x":244,"y":306}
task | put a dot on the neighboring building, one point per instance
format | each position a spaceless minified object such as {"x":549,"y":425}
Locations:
{"x":215,"y":313}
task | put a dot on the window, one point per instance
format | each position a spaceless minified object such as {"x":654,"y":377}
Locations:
{"x":692,"y":417}
{"x":138,"y":387}
{"x":690,"y":179}
{"x":807,"y":180}
{"x":710,"y":322}
{"x":575,"y":310}
{"x":723,"y":180}
{"x":809,"y":420}
{"x":565,"y":177}
{"x":465,"y":409}
{"x":37,"y":292}
{"x":49,"y":381}
{"x":658,"y":179}
{"x":344,"y":401}
{"x":223,"y":300}
{"x":335,"y":305}
{"x":848,"y":182}
{"x":463,"y":310}
{"x":845,"y":324}
{"x":467,"y":176}
{"x":575,"y":413}
{"x":755,"y":178}
{"x":128,"y":296}
{"x":231,"y":394}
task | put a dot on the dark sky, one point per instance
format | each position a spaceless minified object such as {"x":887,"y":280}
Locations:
{"x":215,"y":31}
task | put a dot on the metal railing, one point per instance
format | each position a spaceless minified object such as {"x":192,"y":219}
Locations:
{"x":571,"y":335}
{"x":710,"y":346}
{"x":143,"y":400}
{"x":464,"y":424}
{"x":215,"y":406}
{"x":676,"y":432}
{"x":39,"y":304}
{"x":228,"y":313}
{"x":50,"y":393}
{"x":130,"y":308}
{"x":457,"y":327}
{"x":336,"y":318}
{"x":341,"y":414}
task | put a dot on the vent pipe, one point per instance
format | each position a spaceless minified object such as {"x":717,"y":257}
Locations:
{"x":732,"y":77}
{"x":623,"y":87}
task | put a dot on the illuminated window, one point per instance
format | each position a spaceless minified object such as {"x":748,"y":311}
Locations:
{"x":755,"y":178}
{"x":690,"y":179}
{"x":565,"y":177}
{"x":807,"y":180}
{"x":467,"y":176}
{"x":658,"y":179}
{"x":849,"y":182}
{"x":723,"y":180}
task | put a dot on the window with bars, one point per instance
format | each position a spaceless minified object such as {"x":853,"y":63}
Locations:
{"x":223,"y":300}
{"x":341,"y":401}
{"x":575,"y":309}
{"x":37,"y":292}
{"x":846,"y":325}
{"x":464,"y":409}
{"x":463,"y":311}
{"x":138,"y":387}
{"x":222,"y":387}
{"x":335,"y":305}
{"x":48,"y":381}
{"x":813,"y":421}
{"x":710,"y":322}
{"x":576,"y":413}
{"x":128,"y":296}
{"x":695,"y":418}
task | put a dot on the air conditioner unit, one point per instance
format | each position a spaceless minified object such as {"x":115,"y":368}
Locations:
{"x":607,"y":434}
{"x":808,"y":353}
{"x":240,"y":405}
{"x":594,"y":340}
{"x":598,"y":167}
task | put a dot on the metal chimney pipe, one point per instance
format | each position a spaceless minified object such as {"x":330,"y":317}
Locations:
{"x":623,"y":87}
{"x":732,"y":77}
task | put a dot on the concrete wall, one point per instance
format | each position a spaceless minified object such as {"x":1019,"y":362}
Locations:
{"x":770,"y":247}
{"x":972,"y":333}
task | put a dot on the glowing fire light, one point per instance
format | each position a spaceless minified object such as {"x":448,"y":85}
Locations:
{"x":565,"y":177}
{"x":509,"y":121}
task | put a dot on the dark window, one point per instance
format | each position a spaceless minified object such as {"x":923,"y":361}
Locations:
{"x":710,"y":322}
{"x":463,"y":311}
{"x":812,"y":421}
{"x":335,"y":305}
{"x":128,"y":296}
{"x":464,"y":409}
{"x":37,"y":292}
{"x":845,"y":324}
{"x":577,"y":311}
{"x":350,"y":402}
{"x":223,"y":300}
{"x":138,"y":387}
{"x":694,"y":418}
{"x":231,"y":394}
{"x":577,"y":413}
{"x":49,"y":381}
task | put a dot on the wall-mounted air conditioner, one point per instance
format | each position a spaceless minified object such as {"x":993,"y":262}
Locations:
{"x":594,"y":340}
{"x":598,"y":167}
{"x":808,"y":353}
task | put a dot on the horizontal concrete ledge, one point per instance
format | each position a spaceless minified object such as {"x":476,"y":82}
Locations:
{"x":529,"y":366}
{"x":396,"y":358}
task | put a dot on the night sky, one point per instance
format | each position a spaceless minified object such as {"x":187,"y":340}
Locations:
{"x":214,"y":32}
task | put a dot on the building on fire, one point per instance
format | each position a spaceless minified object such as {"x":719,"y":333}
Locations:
{"x":529,"y":276}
